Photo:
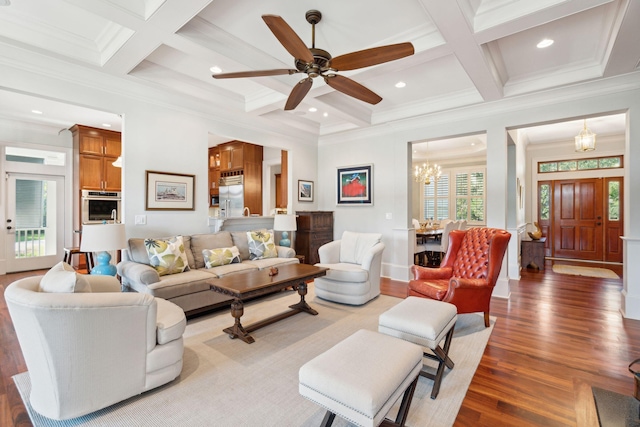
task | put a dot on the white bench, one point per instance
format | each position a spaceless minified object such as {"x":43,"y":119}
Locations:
{"x":424,"y":322}
{"x":362,"y":377}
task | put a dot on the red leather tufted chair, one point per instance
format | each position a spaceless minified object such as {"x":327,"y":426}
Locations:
{"x":467,"y":274}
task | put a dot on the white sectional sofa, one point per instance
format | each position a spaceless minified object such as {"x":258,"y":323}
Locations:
{"x":190,"y":289}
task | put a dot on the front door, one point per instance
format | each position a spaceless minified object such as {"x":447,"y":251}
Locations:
{"x":587,"y":220}
{"x":35,"y":221}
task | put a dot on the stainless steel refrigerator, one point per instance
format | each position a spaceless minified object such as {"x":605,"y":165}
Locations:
{"x":231,"y":196}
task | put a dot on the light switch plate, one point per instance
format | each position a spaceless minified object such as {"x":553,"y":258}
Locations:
{"x":389,"y":215}
{"x":141,"y":219}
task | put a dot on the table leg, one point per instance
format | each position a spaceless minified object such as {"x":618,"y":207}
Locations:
{"x":237,"y":330}
{"x":302,"y":304}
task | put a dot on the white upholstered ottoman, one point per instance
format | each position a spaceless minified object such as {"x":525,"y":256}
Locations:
{"x":424,"y":322}
{"x":361,"y":378}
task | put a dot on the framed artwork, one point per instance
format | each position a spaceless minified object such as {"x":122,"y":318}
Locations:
{"x":355,"y":185}
{"x":305,"y":191}
{"x":169,"y":191}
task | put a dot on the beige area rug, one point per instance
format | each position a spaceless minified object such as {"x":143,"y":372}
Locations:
{"x":603,"y":273}
{"x":226,"y":382}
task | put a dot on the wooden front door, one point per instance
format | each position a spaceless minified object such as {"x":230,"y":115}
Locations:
{"x":584,"y":224}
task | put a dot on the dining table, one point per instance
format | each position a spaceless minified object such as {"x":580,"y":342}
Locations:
{"x":424,"y":235}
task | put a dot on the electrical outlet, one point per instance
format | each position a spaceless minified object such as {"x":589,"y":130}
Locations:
{"x":141,"y":219}
{"x":389,"y":215}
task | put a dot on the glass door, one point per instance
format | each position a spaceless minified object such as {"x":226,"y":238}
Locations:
{"x":35,"y":221}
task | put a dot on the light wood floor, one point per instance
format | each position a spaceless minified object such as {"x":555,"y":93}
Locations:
{"x":554,"y":338}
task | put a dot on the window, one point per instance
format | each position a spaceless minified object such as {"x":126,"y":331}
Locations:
{"x":27,"y":155}
{"x":470,"y":196}
{"x":614,"y":200}
{"x":582,"y":164}
{"x":436,"y":198}
{"x":544,"y":201}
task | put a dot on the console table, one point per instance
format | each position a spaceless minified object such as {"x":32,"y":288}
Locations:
{"x":532,"y":253}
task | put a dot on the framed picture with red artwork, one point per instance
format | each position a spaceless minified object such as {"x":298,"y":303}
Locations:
{"x":355,"y":185}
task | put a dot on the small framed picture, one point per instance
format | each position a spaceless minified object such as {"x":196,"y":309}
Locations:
{"x":305,"y":191}
{"x":169,"y":191}
{"x":355,"y":185}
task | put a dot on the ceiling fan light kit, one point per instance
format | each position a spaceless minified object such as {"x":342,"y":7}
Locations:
{"x":316,"y":62}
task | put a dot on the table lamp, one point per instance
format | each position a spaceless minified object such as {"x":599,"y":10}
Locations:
{"x":285,"y":223}
{"x":103,"y":238}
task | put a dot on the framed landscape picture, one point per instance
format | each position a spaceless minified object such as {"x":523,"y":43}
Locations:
{"x":355,"y":185}
{"x":169,"y":191}
{"x":305,"y":191}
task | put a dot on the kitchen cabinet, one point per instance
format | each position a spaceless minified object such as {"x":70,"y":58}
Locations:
{"x":315,"y":228}
{"x":232,"y":156}
{"x":97,"y":150}
{"x":238,"y":158}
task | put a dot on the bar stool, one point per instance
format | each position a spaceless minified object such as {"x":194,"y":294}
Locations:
{"x":88,"y":256}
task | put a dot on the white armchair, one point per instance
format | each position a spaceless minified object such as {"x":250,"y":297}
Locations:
{"x":86,"y":351}
{"x":354,"y":264}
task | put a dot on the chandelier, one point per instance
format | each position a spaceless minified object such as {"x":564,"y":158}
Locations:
{"x":585,"y":140}
{"x":426,"y":172}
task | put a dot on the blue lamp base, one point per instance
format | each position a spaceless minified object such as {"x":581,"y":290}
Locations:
{"x":104,"y":268}
{"x":285,"y":240}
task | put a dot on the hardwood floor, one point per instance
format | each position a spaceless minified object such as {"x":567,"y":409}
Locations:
{"x":554,"y":338}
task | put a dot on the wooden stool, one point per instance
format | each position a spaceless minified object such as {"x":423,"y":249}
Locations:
{"x":69,"y":252}
{"x":425,"y":322}
{"x":361,"y":377}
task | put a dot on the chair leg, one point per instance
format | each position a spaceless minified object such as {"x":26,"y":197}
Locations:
{"x":486,"y":319}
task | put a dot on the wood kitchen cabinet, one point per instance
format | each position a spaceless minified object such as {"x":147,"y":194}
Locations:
{"x":315,"y":228}
{"x":97,"y":150}
{"x":239,"y":158}
{"x":232,"y":155}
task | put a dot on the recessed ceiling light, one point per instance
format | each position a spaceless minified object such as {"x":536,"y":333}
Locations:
{"x":325,"y":114}
{"x":36,"y":111}
{"x":544,"y":43}
{"x":215,"y":69}
{"x":313,"y":109}
{"x":107,"y":125}
{"x":400,"y":85}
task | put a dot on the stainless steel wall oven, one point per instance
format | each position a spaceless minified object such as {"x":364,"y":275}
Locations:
{"x":100,"y":206}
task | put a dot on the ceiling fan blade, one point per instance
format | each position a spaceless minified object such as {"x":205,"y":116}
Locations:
{"x":288,"y":38}
{"x":257,"y":73}
{"x":298,"y":93}
{"x":352,"y":88}
{"x":373,"y":56}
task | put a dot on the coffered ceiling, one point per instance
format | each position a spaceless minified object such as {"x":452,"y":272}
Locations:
{"x":466,"y":51}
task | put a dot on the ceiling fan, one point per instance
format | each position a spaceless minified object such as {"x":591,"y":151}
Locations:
{"x":316,"y":62}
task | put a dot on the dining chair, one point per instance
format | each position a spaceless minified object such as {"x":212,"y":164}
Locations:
{"x":462,"y":224}
{"x":441,"y":245}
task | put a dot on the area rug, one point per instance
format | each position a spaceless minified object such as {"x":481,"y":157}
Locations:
{"x":227,"y":382}
{"x":603,"y":273}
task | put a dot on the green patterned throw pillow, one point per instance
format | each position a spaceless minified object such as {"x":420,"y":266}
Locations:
{"x":221,"y":256}
{"x":261,"y":244}
{"x":167,"y":256}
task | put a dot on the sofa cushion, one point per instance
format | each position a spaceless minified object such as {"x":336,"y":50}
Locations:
{"x":138,"y":250}
{"x":63,"y":278}
{"x":261,"y":244}
{"x":242,"y":243}
{"x":167,"y":256}
{"x":271,"y":262}
{"x":345,"y":272}
{"x":354,"y":246}
{"x":220,"y":256}
{"x":200,"y":242}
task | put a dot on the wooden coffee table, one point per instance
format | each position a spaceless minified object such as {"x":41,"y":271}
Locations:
{"x":258,"y":282}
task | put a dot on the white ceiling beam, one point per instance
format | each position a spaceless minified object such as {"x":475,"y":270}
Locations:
{"x":624,"y":56}
{"x":455,"y":29}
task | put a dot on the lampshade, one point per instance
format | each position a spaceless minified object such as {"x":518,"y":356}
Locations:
{"x":118,"y":162}
{"x":103,"y":238}
{"x":284,"y":223}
